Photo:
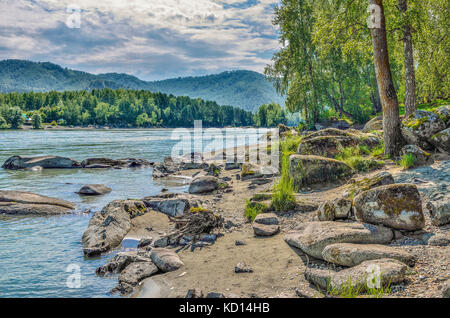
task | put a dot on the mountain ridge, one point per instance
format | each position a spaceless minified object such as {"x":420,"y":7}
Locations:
{"x":240,"y":88}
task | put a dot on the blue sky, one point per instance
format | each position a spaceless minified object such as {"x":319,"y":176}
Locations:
{"x":151,"y":39}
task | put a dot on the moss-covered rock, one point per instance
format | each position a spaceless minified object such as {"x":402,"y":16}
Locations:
{"x":398,"y":206}
{"x":357,"y":186}
{"x":337,"y":209}
{"x":422,"y":157}
{"x":326,"y":146}
{"x":444,"y":113}
{"x":420,"y":126}
{"x":441,"y":140}
{"x":375,"y":123}
{"x":308,"y":170}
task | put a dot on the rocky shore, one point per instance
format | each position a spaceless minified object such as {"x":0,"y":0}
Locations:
{"x":345,"y":227}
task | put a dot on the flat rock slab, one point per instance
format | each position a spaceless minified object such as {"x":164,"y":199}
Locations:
{"x":166,"y":260}
{"x":27,"y":203}
{"x":46,"y":162}
{"x":171,"y":204}
{"x":398,"y":206}
{"x":120,"y":262}
{"x":265,"y":230}
{"x":203,"y":185}
{"x":94,"y":189}
{"x":108,"y":227}
{"x":313,"y":237}
{"x":356,"y":186}
{"x":135,"y":272}
{"x":388,"y":270}
{"x":267,"y":219}
{"x":348,"y":254}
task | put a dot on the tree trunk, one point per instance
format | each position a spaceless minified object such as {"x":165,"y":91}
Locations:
{"x":410,"y":81}
{"x":393,"y":139}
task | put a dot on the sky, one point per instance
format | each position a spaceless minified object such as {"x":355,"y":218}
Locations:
{"x":151,"y":39}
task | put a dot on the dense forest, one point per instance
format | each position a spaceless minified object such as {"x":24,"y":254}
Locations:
{"x":326,"y":62}
{"x":117,"y":108}
{"x":245,"y":89}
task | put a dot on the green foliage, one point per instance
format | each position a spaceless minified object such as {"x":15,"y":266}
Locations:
{"x":354,"y":157}
{"x":269,"y":115}
{"x":252,"y":209}
{"x":244,"y":89}
{"x":408,"y":161}
{"x":283,"y":198}
{"x":36,"y":120}
{"x":261,"y":197}
{"x":290,"y":145}
{"x":3,"y":123}
{"x":120,"y":108}
{"x":350,"y":290}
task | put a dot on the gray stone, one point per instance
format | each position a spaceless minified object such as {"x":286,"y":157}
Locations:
{"x":337,"y":209}
{"x":267,"y":219}
{"x":375,"y":123}
{"x":356,"y":186}
{"x":313,"y":237}
{"x":135,"y":272}
{"x":46,"y":162}
{"x":444,"y":113}
{"x":171,"y":204}
{"x":389,"y":270}
{"x":442,"y":239}
{"x":203,"y":185}
{"x":326,"y":146}
{"x":348,"y":254}
{"x":166,"y":260}
{"x":242,"y":268}
{"x":418,"y":128}
{"x":94,"y":189}
{"x":446,"y":289}
{"x":422,"y":157}
{"x":398,"y":206}
{"x":27,"y":203}
{"x":119,"y":262}
{"x":194,"y":293}
{"x":265,"y":230}
{"x":441,"y":140}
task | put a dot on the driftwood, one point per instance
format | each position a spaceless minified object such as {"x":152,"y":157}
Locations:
{"x":197,"y":223}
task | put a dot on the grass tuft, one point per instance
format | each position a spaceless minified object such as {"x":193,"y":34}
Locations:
{"x":408,"y":161}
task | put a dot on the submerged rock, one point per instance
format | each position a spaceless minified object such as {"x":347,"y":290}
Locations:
{"x":348,"y":254}
{"x":108,"y":227}
{"x":386,"y":271}
{"x":27,"y":203}
{"x":308,"y":170}
{"x":94,"y":189}
{"x":398,"y":206}
{"x":313,"y":237}
{"x":115,"y":163}
{"x":45,"y":162}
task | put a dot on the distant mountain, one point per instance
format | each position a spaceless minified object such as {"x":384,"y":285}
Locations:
{"x":244,"y":89}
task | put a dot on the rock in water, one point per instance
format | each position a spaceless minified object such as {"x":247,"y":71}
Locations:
{"x":308,"y":170}
{"x":313,"y":237}
{"x":348,"y":254}
{"x":422,"y":157}
{"x":441,"y":140}
{"x":384,"y":271}
{"x":166,"y":260}
{"x":46,"y":162}
{"x":135,"y":272}
{"x":27,"y":203}
{"x":266,"y":224}
{"x":397,"y":206}
{"x":94,"y":189}
{"x":203,"y":185}
{"x":108,"y":227}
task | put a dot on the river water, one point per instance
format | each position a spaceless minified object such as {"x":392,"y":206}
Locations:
{"x":40,"y":255}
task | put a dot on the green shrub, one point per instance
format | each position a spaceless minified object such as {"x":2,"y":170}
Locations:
{"x":3,"y":123}
{"x":261,"y":197}
{"x":290,"y":145}
{"x":36,"y":120}
{"x":353,"y":156}
{"x":408,"y":161}
{"x":283,"y":197}
{"x":254,"y":208}
{"x":349,"y":290}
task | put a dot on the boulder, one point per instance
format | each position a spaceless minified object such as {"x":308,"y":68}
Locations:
{"x":418,"y":128}
{"x":108,"y":227}
{"x":27,"y":203}
{"x":441,"y":140}
{"x":388,"y":271}
{"x":308,"y":170}
{"x":375,"y":123}
{"x":45,"y":162}
{"x":348,"y":254}
{"x":442,"y":239}
{"x":326,"y":146}
{"x":203,"y":185}
{"x":94,"y":189}
{"x":119,"y":163}
{"x":439,"y":211}
{"x":242,"y":268}
{"x":313,"y":237}
{"x":337,"y":209}
{"x":266,"y":224}
{"x":356,"y":186}
{"x":250,"y":171}
{"x":422,"y":157}
{"x":166,"y":260}
{"x":398,"y":206}
{"x":172,"y":204}
{"x":444,"y":113}
{"x":135,"y":272}
{"x":119,"y":262}
{"x":194,"y":293}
